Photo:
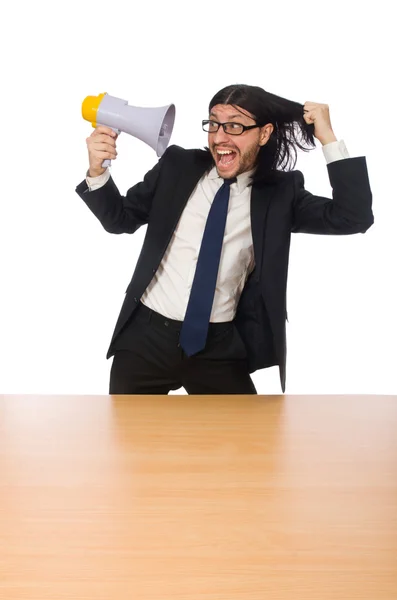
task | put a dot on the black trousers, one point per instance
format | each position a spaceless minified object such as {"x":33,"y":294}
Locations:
{"x":149,"y":360}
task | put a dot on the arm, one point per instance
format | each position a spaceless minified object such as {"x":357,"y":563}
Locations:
{"x":122,"y":214}
{"x":349,"y":211}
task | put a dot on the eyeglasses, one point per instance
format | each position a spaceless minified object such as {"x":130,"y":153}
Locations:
{"x":230,"y":128}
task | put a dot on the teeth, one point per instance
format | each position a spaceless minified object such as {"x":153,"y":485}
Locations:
{"x":224,"y":151}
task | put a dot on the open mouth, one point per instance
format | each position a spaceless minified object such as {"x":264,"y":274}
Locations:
{"x":225,"y":158}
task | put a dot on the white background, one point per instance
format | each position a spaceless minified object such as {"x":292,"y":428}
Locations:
{"x":63,"y":277}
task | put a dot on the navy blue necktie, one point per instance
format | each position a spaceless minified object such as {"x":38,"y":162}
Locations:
{"x":195,"y":325}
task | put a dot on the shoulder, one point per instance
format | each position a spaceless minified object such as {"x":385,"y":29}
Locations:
{"x":293,"y":177}
{"x":277,"y":178}
{"x":175,"y":152}
{"x":179,"y":159}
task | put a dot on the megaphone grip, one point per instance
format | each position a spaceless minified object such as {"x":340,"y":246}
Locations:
{"x":107,"y":162}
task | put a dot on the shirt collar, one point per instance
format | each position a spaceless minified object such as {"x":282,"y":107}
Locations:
{"x":242,"y":180}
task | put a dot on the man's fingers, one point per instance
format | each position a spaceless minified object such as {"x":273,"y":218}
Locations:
{"x":103,"y":129}
{"x":101,"y":145}
{"x":104,"y":139}
{"x":97,"y":149}
{"x":102,"y":155}
{"x":104,"y":148}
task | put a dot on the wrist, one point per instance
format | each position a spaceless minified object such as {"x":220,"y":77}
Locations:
{"x":328,"y":139}
{"x":95,"y":172}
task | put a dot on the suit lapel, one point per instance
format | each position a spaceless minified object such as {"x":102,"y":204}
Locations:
{"x":179,"y":193}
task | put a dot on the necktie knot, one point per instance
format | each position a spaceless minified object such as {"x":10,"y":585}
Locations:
{"x":230,"y":181}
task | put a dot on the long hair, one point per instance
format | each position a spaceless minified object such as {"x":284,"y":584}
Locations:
{"x":290,"y":129}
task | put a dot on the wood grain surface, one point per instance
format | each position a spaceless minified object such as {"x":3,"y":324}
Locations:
{"x":198,"y":497}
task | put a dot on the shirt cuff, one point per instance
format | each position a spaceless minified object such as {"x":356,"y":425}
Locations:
{"x":96,"y":182}
{"x":335,"y":151}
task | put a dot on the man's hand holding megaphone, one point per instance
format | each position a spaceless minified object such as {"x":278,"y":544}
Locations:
{"x":110,"y":116}
{"x":101,"y":145}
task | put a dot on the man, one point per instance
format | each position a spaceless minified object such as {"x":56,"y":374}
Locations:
{"x":206,"y":305}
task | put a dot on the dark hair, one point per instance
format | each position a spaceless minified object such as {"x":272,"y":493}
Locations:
{"x":290,"y":128}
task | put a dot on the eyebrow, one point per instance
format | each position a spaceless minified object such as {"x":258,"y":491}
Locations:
{"x":239,"y":115}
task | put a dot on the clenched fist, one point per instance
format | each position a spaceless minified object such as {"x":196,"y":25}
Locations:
{"x":101,"y":146}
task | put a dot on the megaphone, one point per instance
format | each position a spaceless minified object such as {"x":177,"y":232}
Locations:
{"x":151,"y":125}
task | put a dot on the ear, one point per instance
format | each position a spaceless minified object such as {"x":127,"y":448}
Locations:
{"x":265,"y":133}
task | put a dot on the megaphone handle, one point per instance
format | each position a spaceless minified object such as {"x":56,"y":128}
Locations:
{"x":107,"y":162}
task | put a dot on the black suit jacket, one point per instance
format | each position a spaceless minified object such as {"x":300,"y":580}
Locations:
{"x":277,"y":209}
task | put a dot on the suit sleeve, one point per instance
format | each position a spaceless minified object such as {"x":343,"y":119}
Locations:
{"x":123,"y":214}
{"x":350,"y":209}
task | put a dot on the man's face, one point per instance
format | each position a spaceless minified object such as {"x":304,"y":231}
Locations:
{"x":244,"y":148}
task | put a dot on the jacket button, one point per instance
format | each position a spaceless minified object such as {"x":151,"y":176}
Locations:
{"x":136,"y":300}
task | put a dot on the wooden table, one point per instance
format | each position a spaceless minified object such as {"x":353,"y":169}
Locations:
{"x":198,"y":497}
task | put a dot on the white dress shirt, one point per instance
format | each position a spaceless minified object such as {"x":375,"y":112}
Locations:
{"x":168,"y":292}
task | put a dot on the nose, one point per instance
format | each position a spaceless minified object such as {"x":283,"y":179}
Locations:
{"x":220,"y":136}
